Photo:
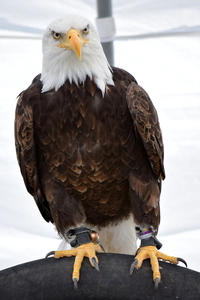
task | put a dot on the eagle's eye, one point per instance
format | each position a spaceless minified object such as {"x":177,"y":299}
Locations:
{"x":56,"y":35}
{"x":86,"y":30}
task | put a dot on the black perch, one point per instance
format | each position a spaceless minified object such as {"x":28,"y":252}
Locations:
{"x":50,"y":279}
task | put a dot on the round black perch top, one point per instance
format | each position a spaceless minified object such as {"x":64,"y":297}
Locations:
{"x":50,"y":279}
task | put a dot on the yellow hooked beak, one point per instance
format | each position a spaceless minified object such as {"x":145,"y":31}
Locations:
{"x":74,"y":41}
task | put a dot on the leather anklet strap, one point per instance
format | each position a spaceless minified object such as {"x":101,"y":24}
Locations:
{"x":148,"y":239}
{"x":82,"y":236}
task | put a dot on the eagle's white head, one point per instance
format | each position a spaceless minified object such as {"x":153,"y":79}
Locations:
{"x":72,"y":51}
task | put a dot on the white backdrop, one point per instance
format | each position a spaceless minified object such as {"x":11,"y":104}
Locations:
{"x":168,"y":68}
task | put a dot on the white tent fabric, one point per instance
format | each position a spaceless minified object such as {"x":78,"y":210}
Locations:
{"x":167,"y":68}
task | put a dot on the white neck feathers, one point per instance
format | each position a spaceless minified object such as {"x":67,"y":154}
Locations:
{"x":60,"y":65}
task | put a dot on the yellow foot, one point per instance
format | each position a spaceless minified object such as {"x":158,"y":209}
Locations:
{"x":85,"y":250}
{"x":153,"y":254}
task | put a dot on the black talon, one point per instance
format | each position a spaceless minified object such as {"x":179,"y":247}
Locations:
{"x":50,"y":253}
{"x":75,"y":284}
{"x":95,"y":263}
{"x":101,"y":246}
{"x":182,"y":260}
{"x":157,"y":281}
{"x":135,"y":262}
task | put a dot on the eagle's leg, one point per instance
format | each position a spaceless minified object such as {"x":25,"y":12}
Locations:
{"x":149,"y":248}
{"x":86,"y":243}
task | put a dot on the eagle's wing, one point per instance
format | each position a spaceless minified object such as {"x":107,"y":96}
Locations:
{"x":147,"y":127}
{"x":26,"y":150}
{"x":146,"y":183}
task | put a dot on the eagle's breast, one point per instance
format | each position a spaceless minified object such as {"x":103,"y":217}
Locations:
{"x":86,"y":143}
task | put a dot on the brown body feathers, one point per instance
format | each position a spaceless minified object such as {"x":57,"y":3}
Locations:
{"x":89,"y":158}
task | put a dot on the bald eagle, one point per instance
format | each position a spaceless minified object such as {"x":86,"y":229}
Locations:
{"x":90,"y":149}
